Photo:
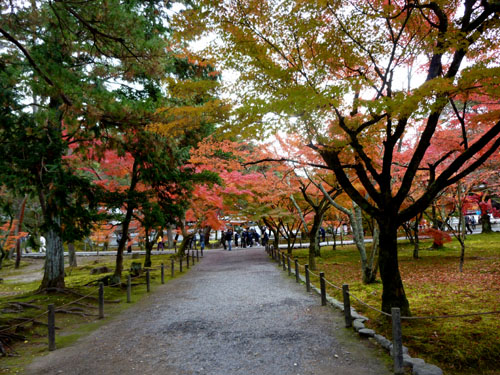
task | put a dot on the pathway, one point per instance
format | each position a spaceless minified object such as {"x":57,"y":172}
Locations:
{"x":233,"y":313}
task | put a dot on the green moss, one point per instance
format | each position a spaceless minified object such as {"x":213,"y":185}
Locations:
{"x":72,"y":326}
{"x":434,"y":286}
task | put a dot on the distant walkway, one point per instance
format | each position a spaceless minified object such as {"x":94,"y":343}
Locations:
{"x":234,"y":313}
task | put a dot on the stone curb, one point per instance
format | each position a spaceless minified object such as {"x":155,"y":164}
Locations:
{"x":418,"y":365}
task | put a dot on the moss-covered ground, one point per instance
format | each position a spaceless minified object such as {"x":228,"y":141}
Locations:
{"x":434,"y":287}
{"x":19,"y":288}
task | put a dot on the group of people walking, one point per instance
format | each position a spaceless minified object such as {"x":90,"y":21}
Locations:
{"x":245,"y":238}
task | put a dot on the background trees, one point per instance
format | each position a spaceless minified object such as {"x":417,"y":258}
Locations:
{"x":103,"y":75}
{"x":332,"y":71}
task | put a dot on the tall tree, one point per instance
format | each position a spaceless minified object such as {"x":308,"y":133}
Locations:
{"x":331,"y":69}
{"x":67,"y":56}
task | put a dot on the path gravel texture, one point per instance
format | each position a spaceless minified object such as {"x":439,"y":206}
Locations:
{"x":233,"y":313}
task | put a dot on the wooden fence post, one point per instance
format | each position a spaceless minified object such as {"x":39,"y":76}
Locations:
{"x":347,"y":306}
{"x":288,"y":263}
{"x":397,"y":341}
{"x":323,"y":288}
{"x":162,"y":273}
{"x":187,"y":260}
{"x":197,"y":256}
{"x":148,"y":281}
{"x":172,"y":267}
{"x":308,"y":281}
{"x":101,"y":300}
{"x":180,"y":264}
{"x":283,"y":261}
{"x":51,"y":324}
{"x":297,"y":279}
{"x":278,"y":254}
{"x":129,"y":288}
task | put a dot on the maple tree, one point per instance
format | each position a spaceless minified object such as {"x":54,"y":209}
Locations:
{"x":330,"y":70}
{"x":95,"y":70}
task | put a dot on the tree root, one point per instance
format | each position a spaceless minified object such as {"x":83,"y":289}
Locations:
{"x":24,"y":304}
{"x":75,"y":311}
{"x":74,"y":292}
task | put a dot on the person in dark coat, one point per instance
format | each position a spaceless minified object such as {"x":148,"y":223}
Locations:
{"x":236,"y":238}
{"x":229,"y":238}
{"x":223,"y":239}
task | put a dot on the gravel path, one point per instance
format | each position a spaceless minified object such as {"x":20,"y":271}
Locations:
{"x":234,"y":313}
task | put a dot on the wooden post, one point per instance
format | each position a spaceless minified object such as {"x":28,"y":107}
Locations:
{"x":283,"y":261}
{"x":51,"y":324}
{"x":397,"y":341}
{"x":202,"y":253}
{"x":288,"y":263}
{"x":172,"y":267}
{"x":197,"y":256}
{"x":148,"y":281}
{"x":323,"y":288}
{"x":187,"y":260}
{"x":162,"y":273}
{"x":297,"y":279}
{"x":308,"y":281}
{"x":347,"y":306}
{"x":101,"y":300}
{"x":279,"y":258}
{"x":180,"y":264}
{"x":129,"y":288}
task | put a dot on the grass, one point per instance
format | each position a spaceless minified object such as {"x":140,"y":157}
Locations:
{"x":434,"y":286}
{"x":72,"y":327}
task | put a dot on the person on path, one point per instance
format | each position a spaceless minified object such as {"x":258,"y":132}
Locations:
{"x":236,"y":238}
{"x":244,"y":239}
{"x":468,"y":224}
{"x":229,"y":238}
{"x":265,"y":237}
{"x":223,"y":239}
{"x":160,"y":243}
{"x":202,"y":241}
{"x":249,"y":238}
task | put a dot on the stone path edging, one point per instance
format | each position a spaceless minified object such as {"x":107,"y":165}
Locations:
{"x":418,"y":365}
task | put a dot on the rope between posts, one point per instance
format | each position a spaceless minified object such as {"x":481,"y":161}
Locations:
{"x":405,"y":317}
{"x":312,"y":273}
{"x":335,"y":286}
{"x":67,"y":304}
{"x":450,"y":316}
{"x":367,"y":305}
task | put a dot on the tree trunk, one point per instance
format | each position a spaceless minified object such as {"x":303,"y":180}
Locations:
{"x":416,"y":242}
{"x":3,"y":254}
{"x":125,"y":225}
{"x":313,"y":236}
{"x":184,"y":244}
{"x":149,"y":247}
{"x":121,"y":246}
{"x":370,"y":274}
{"x":147,"y":258}
{"x":486,"y":223}
{"x":206,"y":234}
{"x":393,"y":294}
{"x":53,"y":276}
{"x":170,"y":237}
{"x":18,"y":229}
{"x":72,"y":255}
